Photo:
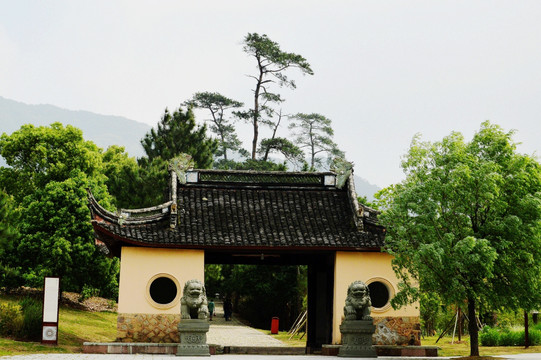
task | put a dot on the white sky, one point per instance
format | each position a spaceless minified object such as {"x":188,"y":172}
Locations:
{"x":384,"y":70}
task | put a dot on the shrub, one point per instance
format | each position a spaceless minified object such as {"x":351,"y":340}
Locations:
{"x":511,"y":338}
{"x":11,"y":320}
{"x":88,"y":292}
{"x":496,"y":337}
{"x":32,"y":319}
{"x":535,"y":337}
{"x":489,"y":336}
{"x":10,"y":278}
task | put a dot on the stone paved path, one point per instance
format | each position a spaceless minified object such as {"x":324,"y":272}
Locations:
{"x":234,"y":333}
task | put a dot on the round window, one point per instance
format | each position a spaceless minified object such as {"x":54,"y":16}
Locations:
{"x":163,"y":291}
{"x":379,"y":294}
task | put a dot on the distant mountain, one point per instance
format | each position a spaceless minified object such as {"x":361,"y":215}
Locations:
{"x":103,"y":130}
{"x":364,"y":188}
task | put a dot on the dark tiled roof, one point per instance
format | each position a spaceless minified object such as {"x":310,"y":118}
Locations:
{"x":247,"y":216}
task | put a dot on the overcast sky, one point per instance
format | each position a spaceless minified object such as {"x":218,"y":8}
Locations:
{"x":384,"y":70}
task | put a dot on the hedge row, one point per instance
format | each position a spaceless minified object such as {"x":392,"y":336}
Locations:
{"x":506,"y":337}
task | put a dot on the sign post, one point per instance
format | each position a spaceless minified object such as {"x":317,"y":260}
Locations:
{"x":51,"y":292}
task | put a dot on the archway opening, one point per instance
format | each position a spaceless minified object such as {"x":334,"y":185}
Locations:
{"x":266,"y":285}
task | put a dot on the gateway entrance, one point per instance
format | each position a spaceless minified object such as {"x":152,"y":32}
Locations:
{"x":244,"y":217}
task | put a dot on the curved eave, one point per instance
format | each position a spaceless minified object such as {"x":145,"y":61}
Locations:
{"x":109,"y":243}
{"x":99,"y":213}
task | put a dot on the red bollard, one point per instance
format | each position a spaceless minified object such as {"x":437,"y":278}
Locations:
{"x":274,"y":325}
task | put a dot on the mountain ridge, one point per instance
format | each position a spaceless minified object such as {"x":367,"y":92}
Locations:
{"x":103,"y":130}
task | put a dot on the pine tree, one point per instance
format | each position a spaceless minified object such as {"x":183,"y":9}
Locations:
{"x":178,"y":133}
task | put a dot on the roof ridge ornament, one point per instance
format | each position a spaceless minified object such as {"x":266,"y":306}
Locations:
{"x":343,"y":170}
{"x":179,"y":167}
{"x":180,"y":164}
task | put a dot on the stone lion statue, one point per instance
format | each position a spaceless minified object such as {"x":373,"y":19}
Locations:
{"x":193,"y":303}
{"x":358,"y":302}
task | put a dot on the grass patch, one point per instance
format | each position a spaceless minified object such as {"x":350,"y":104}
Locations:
{"x":12,"y":347}
{"x":79,"y":326}
{"x":463,"y":348}
{"x":283,"y":336}
{"x":74,"y":328}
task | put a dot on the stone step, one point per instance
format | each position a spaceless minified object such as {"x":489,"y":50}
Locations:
{"x":171,"y":348}
{"x":264,"y":350}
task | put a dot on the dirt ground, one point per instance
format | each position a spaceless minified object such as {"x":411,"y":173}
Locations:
{"x":71,"y":299}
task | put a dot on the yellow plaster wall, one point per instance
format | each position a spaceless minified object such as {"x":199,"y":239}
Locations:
{"x":137,"y":267}
{"x":364,"y":266}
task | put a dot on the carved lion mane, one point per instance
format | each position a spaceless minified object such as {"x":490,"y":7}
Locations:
{"x":358,"y":302}
{"x":193,"y":303}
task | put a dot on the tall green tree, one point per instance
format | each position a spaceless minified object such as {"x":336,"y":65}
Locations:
{"x":58,"y":240}
{"x":38,"y":155}
{"x":272,"y":66}
{"x":178,"y":133}
{"x":280,"y":145}
{"x":123,"y":177}
{"x":466,"y":223}
{"x":290,"y":151}
{"x":152,"y":183}
{"x":221,"y":125}
{"x":175,"y":134}
{"x":314,"y":133}
{"x":53,"y":167}
{"x":10,"y":277}
{"x":9,"y":231}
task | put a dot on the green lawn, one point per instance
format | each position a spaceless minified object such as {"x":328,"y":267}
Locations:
{"x":463,"y":348}
{"x":284,"y":337}
{"x":74,"y":328}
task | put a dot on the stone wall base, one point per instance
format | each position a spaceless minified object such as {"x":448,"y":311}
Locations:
{"x":405,"y":330}
{"x":148,"y":328}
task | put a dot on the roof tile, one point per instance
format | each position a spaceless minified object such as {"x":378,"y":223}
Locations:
{"x":254,"y":216}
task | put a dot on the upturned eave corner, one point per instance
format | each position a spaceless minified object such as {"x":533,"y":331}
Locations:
{"x":98,"y":212}
{"x":139,"y":216}
{"x":365,"y":217}
{"x":354,"y":203}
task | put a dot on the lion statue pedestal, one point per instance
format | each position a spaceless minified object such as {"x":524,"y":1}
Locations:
{"x":193,"y":325}
{"x":357,"y":328}
{"x":193,"y":338}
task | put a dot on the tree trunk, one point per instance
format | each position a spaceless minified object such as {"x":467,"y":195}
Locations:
{"x":255,"y":120}
{"x":256,"y":134}
{"x":526,"y":335}
{"x":273,"y":135}
{"x":312,"y":147}
{"x":459,"y":324}
{"x":472,"y":327}
{"x":224,"y":147}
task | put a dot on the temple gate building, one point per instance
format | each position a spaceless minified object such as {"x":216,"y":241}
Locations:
{"x":251,"y":217}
